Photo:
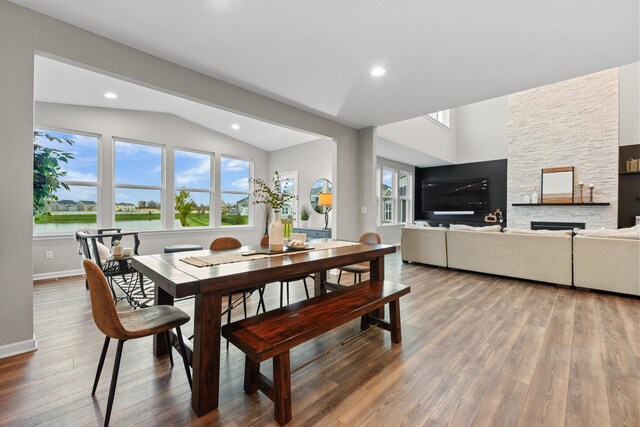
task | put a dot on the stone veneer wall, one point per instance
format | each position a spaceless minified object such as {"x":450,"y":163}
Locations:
{"x":571,"y":123}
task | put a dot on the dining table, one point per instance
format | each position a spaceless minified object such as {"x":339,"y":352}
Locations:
{"x":206,"y":275}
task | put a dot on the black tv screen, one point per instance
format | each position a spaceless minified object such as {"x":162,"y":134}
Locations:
{"x":469,"y":194}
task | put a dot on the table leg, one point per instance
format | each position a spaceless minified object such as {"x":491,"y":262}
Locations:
{"x":161,"y":297}
{"x":318,"y":279}
{"x":206,"y":352}
{"x":377,"y":273}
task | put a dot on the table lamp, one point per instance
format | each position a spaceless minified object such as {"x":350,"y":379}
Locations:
{"x":325,"y":200}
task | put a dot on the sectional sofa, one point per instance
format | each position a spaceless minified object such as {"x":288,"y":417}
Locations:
{"x":593,"y":262}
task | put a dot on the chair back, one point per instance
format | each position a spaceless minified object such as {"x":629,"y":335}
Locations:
{"x":371,"y":238}
{"x":225,"y":243}
{"x":264,"y":242}
{"x":102,"y":306}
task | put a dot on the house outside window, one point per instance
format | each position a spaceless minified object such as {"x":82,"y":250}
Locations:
{"x":235,"y":209}
{"x":395,"y":196}
{"x":78,"y":206}
{"x":193,"y":176}
{"x":138,"y":185}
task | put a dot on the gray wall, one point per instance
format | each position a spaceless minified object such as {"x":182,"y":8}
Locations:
{"x":390,"y":234}
{"x":312,"y":160}
{"x":166,"y":129}
{"x":481,"y":131}
{"x":23,"y":33}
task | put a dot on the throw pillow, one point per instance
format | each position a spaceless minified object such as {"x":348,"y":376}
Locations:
{"x":539,"y":232}
{"x":462,"y":227}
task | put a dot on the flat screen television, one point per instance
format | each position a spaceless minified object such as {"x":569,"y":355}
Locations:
{"x":449,"y":195}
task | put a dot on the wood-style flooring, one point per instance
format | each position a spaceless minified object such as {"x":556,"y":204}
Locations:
{"x":477,"y":350}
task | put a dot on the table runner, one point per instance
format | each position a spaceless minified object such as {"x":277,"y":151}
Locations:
{"x":226,"y":258}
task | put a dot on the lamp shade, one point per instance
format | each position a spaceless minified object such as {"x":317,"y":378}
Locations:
{"x":324,"y":199}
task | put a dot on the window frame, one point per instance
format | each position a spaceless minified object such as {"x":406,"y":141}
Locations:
{"x":98,"y":182}
{"x":395,"y":199}
{"x":163,"y":181}
{"x":441,"y":117}
{"x":211,"y":190}
{"x":293,"y":175}
{"x":248,"y":193}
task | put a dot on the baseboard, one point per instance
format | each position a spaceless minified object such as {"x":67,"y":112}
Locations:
{"x":58,"y":274}
{"x":18,"y":348}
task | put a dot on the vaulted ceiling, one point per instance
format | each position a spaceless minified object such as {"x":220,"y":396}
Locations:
{"x":317,"y":55}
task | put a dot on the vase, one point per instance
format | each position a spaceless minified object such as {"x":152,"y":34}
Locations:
{"x":118,"y":251}
{"x":304,"y":224}
{"x":276,"y":233}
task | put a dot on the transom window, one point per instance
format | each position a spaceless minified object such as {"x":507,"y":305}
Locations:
{"x":138,"y":185}
{"x":78,"y":206}
{"x":441,"y":117}
{"x":235,"y":194}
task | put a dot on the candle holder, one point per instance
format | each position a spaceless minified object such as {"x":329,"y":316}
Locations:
{"x":581,"y":185}
{"x":591,"y":193}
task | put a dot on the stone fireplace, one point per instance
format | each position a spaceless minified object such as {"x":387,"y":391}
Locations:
{"x":571,"y":123}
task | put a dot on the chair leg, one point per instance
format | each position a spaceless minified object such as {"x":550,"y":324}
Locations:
{"x":287,"y":293}
{"x":261,"y":301}
{"x":114,"y":382}
{"x":141,"y":280}
{"x":355,"y":275}
{"x":167,"y":339}
{"x":281,"y":294}
{"x":183,"y":352}
{"x":339,"y":276}
{"x":244,"y":303}
{"x":105,"y":347}
{"x":306,"y":290}
{"x":229,"y":315}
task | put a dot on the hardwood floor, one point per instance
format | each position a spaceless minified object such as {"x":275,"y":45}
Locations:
{"x":477,"y":350}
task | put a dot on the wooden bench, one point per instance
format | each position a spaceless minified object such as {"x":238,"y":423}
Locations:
{"x":273,"y":334}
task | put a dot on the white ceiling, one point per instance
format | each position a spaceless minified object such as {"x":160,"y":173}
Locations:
{"x":317,"y":54}
{"x":65,"y":84}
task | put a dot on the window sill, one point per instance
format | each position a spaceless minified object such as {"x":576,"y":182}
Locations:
{"x":65,"y":236}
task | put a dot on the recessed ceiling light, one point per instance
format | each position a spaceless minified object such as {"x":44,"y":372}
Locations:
{"x":235,"y":126}
{"x":378,"y":71}
{"x":110,"y":95}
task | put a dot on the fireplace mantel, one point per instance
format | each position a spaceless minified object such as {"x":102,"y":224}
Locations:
{"x":560,"y":204}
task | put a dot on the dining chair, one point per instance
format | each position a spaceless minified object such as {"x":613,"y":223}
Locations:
{"x":264,"y":242}
{"x":363,"y":267}
{"x":225,"y":244}
{"x":128,"y":325}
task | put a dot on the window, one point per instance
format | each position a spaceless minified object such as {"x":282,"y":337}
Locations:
{"x":395,"y":196}
{"x":388,"y":195}
{"x":404,"y":197}
{"x":288,"y":184}
{"x":193,"y":189}
{"x":78,"y":206}
{"x":138,"y":185}
{"x":235,"y":194}
{"x":441,"y":117}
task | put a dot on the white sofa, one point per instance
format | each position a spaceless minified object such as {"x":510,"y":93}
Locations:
{"x":540,"y":257}
{"x":609,"y":264}
{"x":424,"y":245}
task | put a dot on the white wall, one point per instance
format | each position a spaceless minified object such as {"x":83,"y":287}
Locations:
{"x":160,"y":128}
{"x":481,"y":131}
{"x":390,"y":234}
{"x":629,"y":109}
{"x":23,"y":33}
{"x":424,"y":135}
{"x":312,"y":160}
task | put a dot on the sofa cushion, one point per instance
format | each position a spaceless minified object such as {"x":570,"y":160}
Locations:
{"x":528,"y":231}
{"x":488,"y":229}
{"x":623,"y":233}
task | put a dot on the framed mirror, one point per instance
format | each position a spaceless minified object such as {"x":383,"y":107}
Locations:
{"x":557,"y":185}
{"x":321,"y":196}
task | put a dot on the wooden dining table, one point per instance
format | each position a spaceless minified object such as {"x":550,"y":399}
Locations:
{"x":175,"y":278}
